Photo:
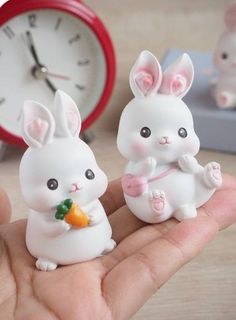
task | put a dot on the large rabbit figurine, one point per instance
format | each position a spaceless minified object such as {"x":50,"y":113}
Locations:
{"x":59,"y":175}
{"x":156,"y":134}
{"x":225,"y":60}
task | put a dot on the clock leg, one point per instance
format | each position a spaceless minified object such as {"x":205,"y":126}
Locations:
{"x":3,"y":147}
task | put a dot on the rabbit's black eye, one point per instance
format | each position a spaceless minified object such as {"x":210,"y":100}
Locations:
{"x":145,"y":132}
{"x":224,"y":55}
{"x":52,"y":184}
{"x":182,"y":133}
{"x":89,"y":174}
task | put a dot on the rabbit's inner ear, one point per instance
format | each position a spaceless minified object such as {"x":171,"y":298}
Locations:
{"x":38,"y":129}
{"x":66,"y":113}
{"x":38,"y":124}
{"x":144,"y":81}
{"x":178,"y":77}
{"x":230,"y":17}
{"x":73,"y":122}
{"x":145,"y":76}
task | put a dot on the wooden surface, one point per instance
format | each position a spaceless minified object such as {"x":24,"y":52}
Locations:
{"x":205,"y":289}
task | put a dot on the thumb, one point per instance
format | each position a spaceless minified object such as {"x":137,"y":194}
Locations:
{"x":5,"y":207}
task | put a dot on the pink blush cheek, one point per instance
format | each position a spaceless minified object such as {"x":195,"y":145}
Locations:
{"x":191,"y":148}
{"x":43,"y":199}
{"x":140,"y":149}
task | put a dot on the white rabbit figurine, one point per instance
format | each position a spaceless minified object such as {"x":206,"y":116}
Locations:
{"x":156,"y":134}
{"x":59,"y":172}
{"x":225,"y":60}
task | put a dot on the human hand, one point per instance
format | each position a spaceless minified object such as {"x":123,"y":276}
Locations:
{"x":116,"y":285}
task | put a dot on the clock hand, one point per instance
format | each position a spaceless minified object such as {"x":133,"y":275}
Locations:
{"x":50,"y":85}
{"x":39,"y":71}
{"x":32,"y":47}
{"x":59,"y":76}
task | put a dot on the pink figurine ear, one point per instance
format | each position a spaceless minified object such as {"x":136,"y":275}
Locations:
{"x":230,"y":16}
{"x":66,"y":113}
{"x":38,"y":124}
{"x":145,"y":76}
{"x":178,"y":77}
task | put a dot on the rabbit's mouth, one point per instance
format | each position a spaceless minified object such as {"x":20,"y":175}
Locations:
{"x":164,"y":141}
{"x":75,"y":188}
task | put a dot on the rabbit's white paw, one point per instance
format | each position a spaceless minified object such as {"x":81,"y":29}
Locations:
{"x":185,"y":212}
{"x":94,"y":219}
{"x":146,"y":166}
{"x":63,"y":226}
{"x":45,"y":265}
{"x":158,"y":201}
{"x":188,"y":164}
{"x":110,"y":245}
{"x":212,"y":175}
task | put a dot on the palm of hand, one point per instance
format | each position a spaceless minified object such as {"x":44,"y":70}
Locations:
{"x":114,"y":286}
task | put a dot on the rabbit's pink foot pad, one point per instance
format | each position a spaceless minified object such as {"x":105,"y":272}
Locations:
{"x":212,"y":175}
{"x":223,"y":100}
{"x":158,"y":201}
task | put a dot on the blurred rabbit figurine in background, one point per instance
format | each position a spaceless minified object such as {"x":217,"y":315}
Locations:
{"x":225,"y":60}
{"x":61,"y":183}
{"x":156,"y":134}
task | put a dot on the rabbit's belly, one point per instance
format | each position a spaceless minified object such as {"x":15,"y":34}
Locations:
{"x":75,"y":245}
{"x":178,"y":188}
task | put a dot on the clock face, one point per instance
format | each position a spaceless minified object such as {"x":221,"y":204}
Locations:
{"x":70,"y":56}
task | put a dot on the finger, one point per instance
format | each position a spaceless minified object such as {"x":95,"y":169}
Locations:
{"x":135,"y":279}
{"x":113,"y":198}
{"x":135,"y":240}
{"x":228,"y":182}
{"x":5,"y":207}
{"x":123,"y":223}
{"x":221,"y":207}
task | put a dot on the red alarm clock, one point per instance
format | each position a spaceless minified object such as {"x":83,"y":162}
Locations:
{"x":47,"y":45}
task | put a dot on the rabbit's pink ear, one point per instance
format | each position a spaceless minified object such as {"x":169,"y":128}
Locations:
{"x":66,"y":113}
{"x":38,"y":124}
{"x":145,"y":76}
{"x":230,"y":16}
{"x":178,"y":77}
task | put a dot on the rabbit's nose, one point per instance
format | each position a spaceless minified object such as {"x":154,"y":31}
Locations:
{"x":75,"y":187}
{"x":164,"y":140}
{"x":234,"y":63}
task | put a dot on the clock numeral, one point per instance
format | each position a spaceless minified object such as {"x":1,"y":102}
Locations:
{"x":75,"y":39}
{"x":80,"y":87}
{"x":57,"y":26}
{"x":2,"y":100}
{"x":8,"y":32}
{"x":32,"y":20}
{"x":83,"y":62}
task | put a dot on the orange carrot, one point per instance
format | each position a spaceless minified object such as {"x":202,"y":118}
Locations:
{"x":76,"y":217}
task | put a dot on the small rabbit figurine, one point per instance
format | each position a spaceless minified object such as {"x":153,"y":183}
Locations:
{"x":60,"y":178}
{"x":225,"y":60}
{"x":156,"y":134}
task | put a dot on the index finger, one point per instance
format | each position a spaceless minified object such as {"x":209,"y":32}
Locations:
{"x":113,"y":198}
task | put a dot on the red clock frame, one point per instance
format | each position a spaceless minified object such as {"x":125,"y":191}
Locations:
{"x":14,"y":8}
